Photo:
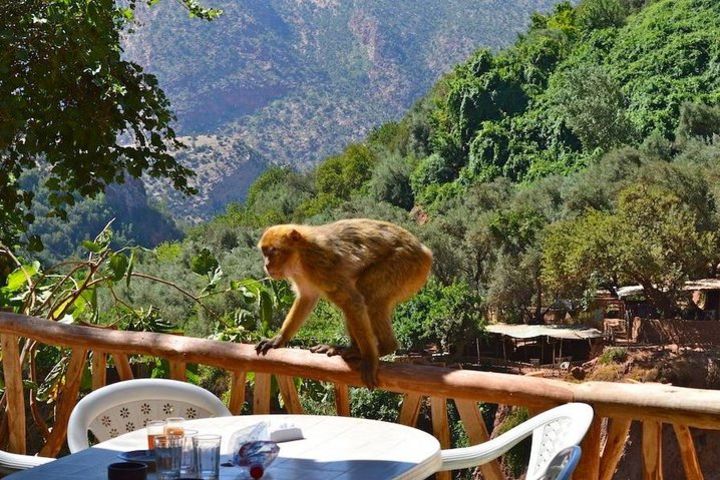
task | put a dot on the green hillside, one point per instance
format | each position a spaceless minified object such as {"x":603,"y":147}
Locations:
{"x":583,"y":156}
{"x":293,"y":82}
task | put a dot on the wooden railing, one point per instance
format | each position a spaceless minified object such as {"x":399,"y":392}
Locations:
{"x":650,"y":404}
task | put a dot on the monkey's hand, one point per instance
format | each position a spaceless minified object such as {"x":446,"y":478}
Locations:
{"x":368,"y":371}
{"x":269,"y":343}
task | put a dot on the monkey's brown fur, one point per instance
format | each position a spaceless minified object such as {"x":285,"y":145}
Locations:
{"x":363,"y":266}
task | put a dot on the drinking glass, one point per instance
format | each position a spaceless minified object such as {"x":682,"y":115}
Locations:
{"x":168,"y":452}
{"x":207,"y":456}
{"x":174,"y":425}
{"x":187,"y":460}
{"x":154,"y":427}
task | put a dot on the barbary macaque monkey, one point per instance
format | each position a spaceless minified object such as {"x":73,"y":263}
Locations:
{"x":363,"y":266}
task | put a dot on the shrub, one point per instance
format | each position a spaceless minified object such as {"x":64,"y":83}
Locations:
{"x":613,"y":355}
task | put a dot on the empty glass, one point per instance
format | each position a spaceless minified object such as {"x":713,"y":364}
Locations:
{"x":207,"y":456}
{"x":187,"y":460}
{"x":168,"y":453}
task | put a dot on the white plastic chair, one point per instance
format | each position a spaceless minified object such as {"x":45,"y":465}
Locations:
{"x":12,"y":462}
{"x":126,"y":406}
{"x":563,"y":465}
{"x":552,"y":431}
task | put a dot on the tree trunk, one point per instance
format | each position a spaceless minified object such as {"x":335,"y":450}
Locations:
{"x":661,"y":301}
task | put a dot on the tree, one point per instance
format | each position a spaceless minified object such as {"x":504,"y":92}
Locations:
{"x":448,"y":316}
{"x":597,"y":14}
{"x":390,"y":181}
{"x":71,"y":105}
{"x":654,"y":239}
{"x":594,"y":107}
{"x":697,"y":120}
{"x":340,"y":175}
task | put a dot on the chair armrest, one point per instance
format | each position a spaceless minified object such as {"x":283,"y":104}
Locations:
{"x":15,"y":461}
{"x":456,"y":458}
{"x":466,"y":457}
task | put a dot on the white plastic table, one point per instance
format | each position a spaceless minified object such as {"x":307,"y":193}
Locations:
{"x":337,"y":448}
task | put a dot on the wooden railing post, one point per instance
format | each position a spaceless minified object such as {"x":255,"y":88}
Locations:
{"x":687,"y":452}
{"x":237,"y":392}
{"x":99,"y":369}
{"x":618,"y":430}
{"x":441,"y":430}
{"x":261,"y":393}
{"x":177,"y":371}
{"x":477,"y":432}
{"x":15,"y":410}
{"x":410,"y":409}
{"x":652,"y":450}
{"x":589,"y":466}
{"x":122,"y":365}
{"x":66,"y":401}
{"x":342,"y":399}
{"x":289,"y":394}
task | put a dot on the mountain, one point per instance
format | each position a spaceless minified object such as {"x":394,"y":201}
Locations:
{"x":293,"y":81}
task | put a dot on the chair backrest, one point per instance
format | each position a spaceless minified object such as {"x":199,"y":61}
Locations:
{"x":551,"y":431}
{"x":559,"y":428}
{"x":563,"y":465}
{"x":126,"y":406}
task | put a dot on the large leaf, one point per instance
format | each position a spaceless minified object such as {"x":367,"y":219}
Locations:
{"x":19,"y":277}
{"x":119,"y":264}
{"x":265,"y":305}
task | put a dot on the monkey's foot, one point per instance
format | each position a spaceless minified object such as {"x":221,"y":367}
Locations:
{"x":267,"y":344}
{"x":368,"y":372}
{"x":330,"y":350}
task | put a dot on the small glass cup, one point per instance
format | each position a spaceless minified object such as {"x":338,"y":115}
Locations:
{"x":174,"y":425}
{"x":154,"y":428}
{"x":168,"y":453}
{"x":187,"y":460}
{"x":207,"y":456}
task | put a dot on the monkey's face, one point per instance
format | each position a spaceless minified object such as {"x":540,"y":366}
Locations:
{"x":279,"y":246}
{"x":276,"y":261}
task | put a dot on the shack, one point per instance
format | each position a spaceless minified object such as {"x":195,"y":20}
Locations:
{"x":546,"y":344}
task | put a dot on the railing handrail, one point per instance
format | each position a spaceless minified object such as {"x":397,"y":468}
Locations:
{"x":396,"y":377}
{"x":658,"y":402}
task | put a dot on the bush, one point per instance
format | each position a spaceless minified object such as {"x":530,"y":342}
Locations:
{"x":518,"y":457}
{"x":613,"y":355}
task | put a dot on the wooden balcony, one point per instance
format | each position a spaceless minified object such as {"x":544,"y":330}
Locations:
{"x":650,"y":404}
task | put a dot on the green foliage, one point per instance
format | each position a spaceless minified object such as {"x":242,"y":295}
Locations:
{"x":598,"y":14}
{"x":204,"y":262}
{"x":613,"y":355}
{"x":432,"y":170}
{"x":375,"y":404}
{"x":447,"y":316}
{"x":391,"y":183}
{"x":518,"y":457}
{"x":340,"y":175}
{"x":698,"y":121}
{"x":655,"y":239}
{"x":594,"y":108}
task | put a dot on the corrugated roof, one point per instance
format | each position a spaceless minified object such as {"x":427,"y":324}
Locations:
{"x":690,"y":285}
{"x":569,"y":332}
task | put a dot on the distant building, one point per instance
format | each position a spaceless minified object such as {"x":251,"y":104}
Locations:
{"x":546,"y":344}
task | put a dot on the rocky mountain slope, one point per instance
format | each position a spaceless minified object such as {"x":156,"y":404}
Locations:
{"x":293,"y":81}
